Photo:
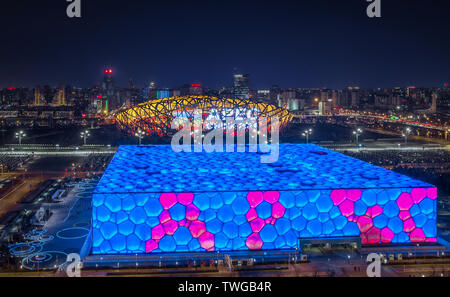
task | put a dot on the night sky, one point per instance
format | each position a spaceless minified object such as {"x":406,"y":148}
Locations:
{"x":296,"y":43}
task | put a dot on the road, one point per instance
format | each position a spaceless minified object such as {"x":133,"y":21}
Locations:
{"x":10,"y":200}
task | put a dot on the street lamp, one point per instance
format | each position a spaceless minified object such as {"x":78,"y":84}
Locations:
{"x":357,"y":132}
{"x":306,"y":134}
{"x":20,"y":135}
{"x":406,"y":134}
{"x":140,"y":134}
{"x":85,"y":135}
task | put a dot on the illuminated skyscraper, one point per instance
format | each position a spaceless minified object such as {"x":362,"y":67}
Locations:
{"x":288,"y":99}
{"x":324,"y":95}
{"x":334,"y":99}
{"x":242,"y":86}
{"x":108,"y":83}
{"x":109,"y":101}
{"x":434,"y":99}
{"x":354,"y":96}
{"x":196,"y":89}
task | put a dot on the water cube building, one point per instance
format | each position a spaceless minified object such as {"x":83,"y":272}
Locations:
{"x":153,"y":200}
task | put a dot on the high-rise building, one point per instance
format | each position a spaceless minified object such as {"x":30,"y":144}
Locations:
{"x":288,"y":99}
{"x":324,"y":95}
{"x":242,"y":86}
{"x":161,"y":94}
{"x":334,"y":99}
{"x":108,"y":90}
{"x":37,"y":96}
{"x":263,"y":95}
{"x":49,"y":94}
{"x":108,"y":83}
{"x":61,"y":96}
{"x":274,"y":92}
{"x":443,"y":100}
{"x":196,"y":89}
{"x":434,"y":99}
{"x":355,"y":97}
{"x":131,"y":84}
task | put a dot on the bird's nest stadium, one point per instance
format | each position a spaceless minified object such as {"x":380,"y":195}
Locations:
{"x":155,"y":117}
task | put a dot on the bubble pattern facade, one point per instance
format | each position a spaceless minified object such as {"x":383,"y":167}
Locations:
{"x":132,"y":222}
{"x":184,"y":222}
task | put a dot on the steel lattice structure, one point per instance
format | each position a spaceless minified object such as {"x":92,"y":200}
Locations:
{"x":156,"y":116}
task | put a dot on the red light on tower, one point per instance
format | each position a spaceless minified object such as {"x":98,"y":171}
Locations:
{"x":108,"y":71}
{"x":196,"y":85}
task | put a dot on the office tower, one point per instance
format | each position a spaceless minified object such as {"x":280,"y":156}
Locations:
{"x":355,"y":97}
{"x":37,"y":96}
{"x":242,"y":86}
{"x":108,"y":91}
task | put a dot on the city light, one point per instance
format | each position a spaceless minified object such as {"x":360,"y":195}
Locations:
{"x":85,"y":135}
{"x":357,"y":133}
{"x":307,"y":133}
{"x":19,"y":136}
{"x":140,"y":134}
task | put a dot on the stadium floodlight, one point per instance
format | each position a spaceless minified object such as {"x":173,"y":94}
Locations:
{"x":19,"y":136}
{"x":140,"y":134}
{"x":407,"y":131}
{"x":306,"y":134}
{"x":85,"y":135}
{"x":357,"y":133}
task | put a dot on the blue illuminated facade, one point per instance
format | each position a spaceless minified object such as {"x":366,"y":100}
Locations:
{"x":152,"y":200}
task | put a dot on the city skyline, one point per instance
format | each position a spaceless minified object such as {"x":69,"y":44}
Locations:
{"x":225,"y":84}
{"x":289,"y":44}
{"x":228,"y":84}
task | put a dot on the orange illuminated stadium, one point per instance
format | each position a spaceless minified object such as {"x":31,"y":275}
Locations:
{"x":156,"y":116}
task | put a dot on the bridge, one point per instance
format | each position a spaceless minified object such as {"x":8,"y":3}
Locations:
{"x":377,"y":117}
{"x":48,"y":149}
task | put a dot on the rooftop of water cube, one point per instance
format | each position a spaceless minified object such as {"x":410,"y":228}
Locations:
{"x":157,"y":169}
